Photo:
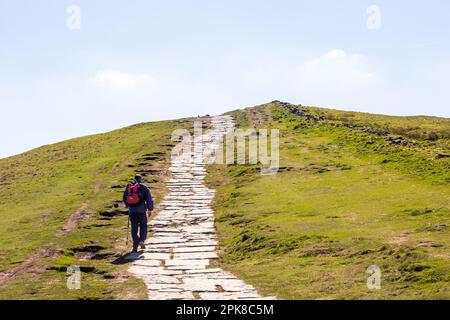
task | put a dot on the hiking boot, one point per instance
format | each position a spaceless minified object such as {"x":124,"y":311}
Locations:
{"x":142,"y":244}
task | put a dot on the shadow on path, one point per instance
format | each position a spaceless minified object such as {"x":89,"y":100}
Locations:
{"x":128,"y":257}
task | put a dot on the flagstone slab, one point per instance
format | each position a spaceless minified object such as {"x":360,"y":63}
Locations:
{"x":161,"y":279}
{"x":144,"y":271}
{"x":226,"y":296}
{"x":148,"y":263}
{"x":167,"y":287}
{"x":195,"y":255}
{"x":163,"y":295}
{"x":192,"y":263}
{"x":199,"y":284}
{"x":162,"y":240}
{"x":194,"y":249}
{"x":155,"y":256}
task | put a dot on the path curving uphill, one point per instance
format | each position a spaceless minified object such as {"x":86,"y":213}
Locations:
{"x":175,"y":263}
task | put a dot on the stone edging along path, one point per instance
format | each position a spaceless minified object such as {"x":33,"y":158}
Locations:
{"x":175,"y":263}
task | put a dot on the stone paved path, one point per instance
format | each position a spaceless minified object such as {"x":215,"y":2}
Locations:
{"x":175,"y":263}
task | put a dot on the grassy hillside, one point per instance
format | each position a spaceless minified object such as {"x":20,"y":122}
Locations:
{"x":354,"y":190}
{"x":59,"y":207}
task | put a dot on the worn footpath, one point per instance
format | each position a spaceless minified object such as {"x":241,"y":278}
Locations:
{"x":175,"y":264}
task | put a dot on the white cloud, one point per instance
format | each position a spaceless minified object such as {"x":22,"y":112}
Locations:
{"x":334,"y":78}
{"x":77,"y":105}
{"x":117,"y":79}
{"x":337,"y":79}
{"x":337,"y":70}
{"x":336,"y":53}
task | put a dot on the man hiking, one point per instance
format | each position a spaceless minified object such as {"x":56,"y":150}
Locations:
{"x":138,"y":199}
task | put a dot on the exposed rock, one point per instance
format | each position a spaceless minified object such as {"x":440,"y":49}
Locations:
{"x":396,"y":141}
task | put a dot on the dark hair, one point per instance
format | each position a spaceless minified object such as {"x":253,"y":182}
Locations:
{"x":138,"y":178}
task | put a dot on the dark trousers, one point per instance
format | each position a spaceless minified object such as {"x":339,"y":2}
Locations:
{"x":138,"y":227}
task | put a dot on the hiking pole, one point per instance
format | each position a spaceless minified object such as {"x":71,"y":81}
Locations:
{"x":128,"y":228}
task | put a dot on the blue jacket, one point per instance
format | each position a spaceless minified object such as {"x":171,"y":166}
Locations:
{"x":146,"y":200}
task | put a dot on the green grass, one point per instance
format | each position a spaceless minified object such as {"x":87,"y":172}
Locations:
{"x":42,"y":188}
{"x":356,"y":190}
{"x":348,"y":199}
{"x":415,"y":127}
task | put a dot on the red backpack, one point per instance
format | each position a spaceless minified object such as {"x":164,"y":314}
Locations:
{"x":134,"y":194}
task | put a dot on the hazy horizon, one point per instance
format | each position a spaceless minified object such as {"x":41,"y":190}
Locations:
{"x":131,"y":124}
{"x":75,"y":68}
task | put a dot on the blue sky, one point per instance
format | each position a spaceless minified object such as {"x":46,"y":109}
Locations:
{"x":135,"y":61}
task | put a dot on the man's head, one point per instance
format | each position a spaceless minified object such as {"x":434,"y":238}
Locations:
{"x":138,"y":178}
